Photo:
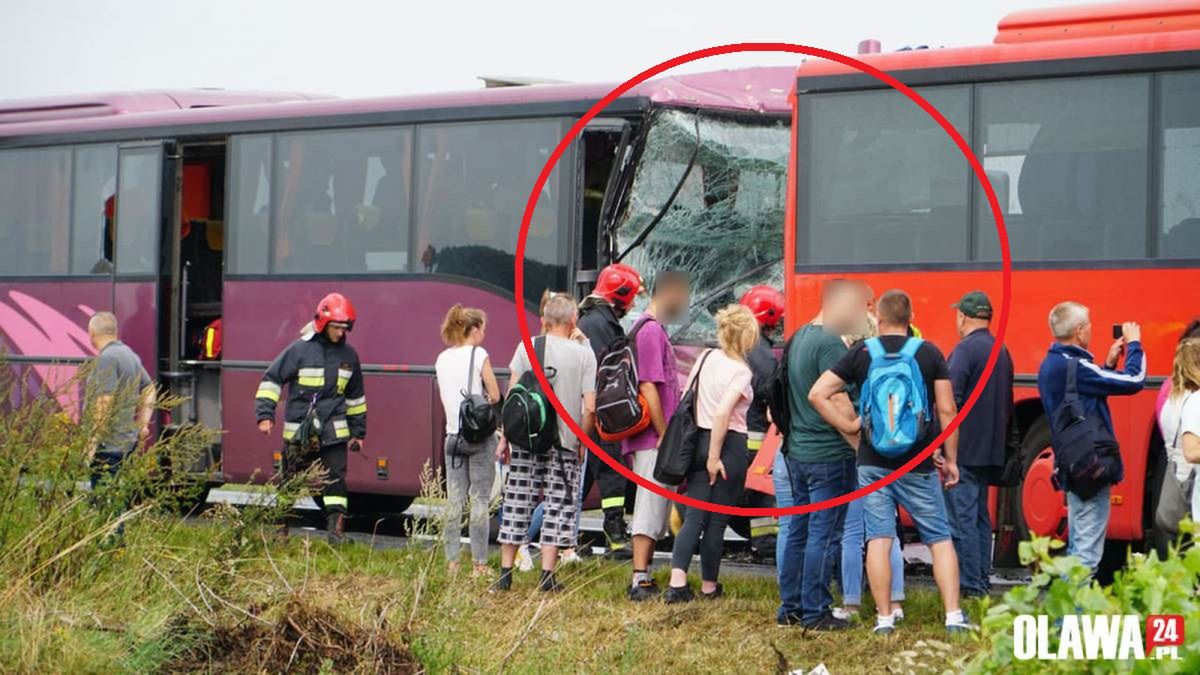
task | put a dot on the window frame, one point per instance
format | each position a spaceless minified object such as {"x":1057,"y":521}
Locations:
{"x":807,"y":90}
{"x":564,"y":210}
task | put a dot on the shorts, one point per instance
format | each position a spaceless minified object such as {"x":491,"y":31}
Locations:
{"x":651,"y":513}
{"x":919,"y":493}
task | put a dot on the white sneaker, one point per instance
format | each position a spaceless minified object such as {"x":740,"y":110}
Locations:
{"x":898,"y":614}
{"x":524,"y":560}
{"x":843,"y":613}
{"x":569,"y":557}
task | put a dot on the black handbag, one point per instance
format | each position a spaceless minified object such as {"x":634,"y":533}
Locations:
{"x":476,"y":416}
{"x":1083,"y":449}
{"x":677,"y":450}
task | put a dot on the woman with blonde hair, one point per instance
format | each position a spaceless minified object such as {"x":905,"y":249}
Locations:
{"x":1179,"y":421}
{"x":723,"y":395}
{"x":463,"y":369}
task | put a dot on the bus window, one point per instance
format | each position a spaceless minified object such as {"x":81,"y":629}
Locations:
{"x":95,"y":184}
{"x":883,"y":182}
{"x":34,"y":211}
{"x":249,"y":204}
{"x":1073,"y":155}
{"x":1179,"y":149}
{"x":138,"y":195}
{"x":723,"y":228}
{"x":342,"y":202}
{"x":473,"y":181}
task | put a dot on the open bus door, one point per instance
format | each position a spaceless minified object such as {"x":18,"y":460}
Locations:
{"x":190,"y":283}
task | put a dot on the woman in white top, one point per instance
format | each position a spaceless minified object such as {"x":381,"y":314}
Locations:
{"x":463,"y":367}
{"x":718,"y":474}
{"x":1179,"y":419}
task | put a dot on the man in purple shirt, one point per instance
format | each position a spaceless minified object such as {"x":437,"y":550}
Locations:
{"x":658,"y":382}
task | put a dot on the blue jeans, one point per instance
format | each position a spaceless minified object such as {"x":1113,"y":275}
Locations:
{"x":852,"y":558}
{"x":971,"y":529}
{"x":817,"y":534}
{"x":539,"y":511}
{"x":783,"y":499}
{"x":1087,"y":520}
{"x":919,"y":493}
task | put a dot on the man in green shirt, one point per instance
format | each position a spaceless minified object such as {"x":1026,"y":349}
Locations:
{"x":819,"y":461}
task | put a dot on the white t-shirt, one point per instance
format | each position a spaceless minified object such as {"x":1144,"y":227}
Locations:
{"x":1181,"y":415}
{"x":451,"y":366}
{"x":574,"y":375}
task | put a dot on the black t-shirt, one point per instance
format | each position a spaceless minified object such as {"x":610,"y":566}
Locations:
{"x":853,"y":369}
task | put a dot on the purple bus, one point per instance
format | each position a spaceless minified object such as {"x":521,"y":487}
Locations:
{"x":250,"y":207}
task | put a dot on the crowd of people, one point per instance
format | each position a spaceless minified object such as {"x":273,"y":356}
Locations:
{"x":857,"y":393}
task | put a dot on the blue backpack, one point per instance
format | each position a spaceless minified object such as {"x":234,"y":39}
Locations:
{"x":894,"y":404}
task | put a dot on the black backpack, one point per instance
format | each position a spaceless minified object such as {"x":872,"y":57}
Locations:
{"x":1083,"y":449}
{"x":774,"y":389}
{"x":621,"y":411}
{"x":529,"y":420}
{"x":476,"y":414}
{"x":677,"y":449}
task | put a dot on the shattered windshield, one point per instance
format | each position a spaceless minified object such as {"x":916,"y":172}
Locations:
{"x":725,"y":227}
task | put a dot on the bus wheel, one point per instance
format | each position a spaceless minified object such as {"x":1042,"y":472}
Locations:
{"x":1038,"y":508}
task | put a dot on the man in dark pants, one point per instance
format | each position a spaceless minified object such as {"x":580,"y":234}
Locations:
{"x":123,"y":420}
{"x":600,"y":321}
{"x":326,"y":410}
{"x":981,"y":440}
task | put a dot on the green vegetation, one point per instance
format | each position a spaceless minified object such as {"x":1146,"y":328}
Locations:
{"x":1061,"y":586}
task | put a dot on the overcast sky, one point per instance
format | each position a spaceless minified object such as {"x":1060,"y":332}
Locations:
{"x":375,"y":47}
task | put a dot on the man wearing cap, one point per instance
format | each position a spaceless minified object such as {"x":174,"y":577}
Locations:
{"x":981,"y":439}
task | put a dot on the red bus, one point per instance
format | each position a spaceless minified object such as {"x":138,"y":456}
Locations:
{"x":175,"y":209}
{"x":1087,"y":121}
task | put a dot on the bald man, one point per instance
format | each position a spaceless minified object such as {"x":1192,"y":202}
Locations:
{"x":116,"y":367}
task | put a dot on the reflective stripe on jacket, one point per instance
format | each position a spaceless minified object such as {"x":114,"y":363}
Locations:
{"x":327,"y":370}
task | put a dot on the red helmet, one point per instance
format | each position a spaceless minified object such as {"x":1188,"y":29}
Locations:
{"x":618,"y":283}
{"x":336,"y":308}
{"x":766,"y":304}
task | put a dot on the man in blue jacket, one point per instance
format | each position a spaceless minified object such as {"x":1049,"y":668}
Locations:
{"x":1071,"y":326}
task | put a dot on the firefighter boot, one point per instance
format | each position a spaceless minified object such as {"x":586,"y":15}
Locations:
{"x":615,"y":534}
{"x":335,"y":528}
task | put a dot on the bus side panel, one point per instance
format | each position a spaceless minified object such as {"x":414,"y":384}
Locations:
{"x":397,"y":337}
{"x":137,"y":311}
{"x":48,"y":320}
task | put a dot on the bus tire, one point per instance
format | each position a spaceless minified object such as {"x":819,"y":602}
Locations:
{"x":1036,"y":440}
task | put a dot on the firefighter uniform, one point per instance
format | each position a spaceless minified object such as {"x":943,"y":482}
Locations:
{"x":767,"y":304}
{"x":328,"y":377}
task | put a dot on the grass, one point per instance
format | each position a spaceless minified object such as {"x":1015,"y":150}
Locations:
{"x":224,"y":594}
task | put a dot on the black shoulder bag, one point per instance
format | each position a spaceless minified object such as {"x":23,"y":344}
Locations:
{"x":1080,"y":464}
{"x":677,"y":450}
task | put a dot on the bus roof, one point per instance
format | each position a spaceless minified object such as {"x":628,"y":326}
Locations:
{"x":13,"y":111}
{"x":1078,"y":32}
{"x":757,"y":90}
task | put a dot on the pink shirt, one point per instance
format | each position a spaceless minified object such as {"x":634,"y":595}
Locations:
{"x":721,"y":374}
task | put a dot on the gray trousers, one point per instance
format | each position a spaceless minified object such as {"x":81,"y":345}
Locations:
{"x":469,"y":476}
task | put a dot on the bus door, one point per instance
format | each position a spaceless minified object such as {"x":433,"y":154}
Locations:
{"x":191,"y":283}
{"x":603,"y":141}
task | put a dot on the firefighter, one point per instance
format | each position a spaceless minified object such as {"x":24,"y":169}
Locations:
{"x":600,"y":320}
{"x":326,"y":411}
{"x":767,"y":305}
{"x":210,"y":342}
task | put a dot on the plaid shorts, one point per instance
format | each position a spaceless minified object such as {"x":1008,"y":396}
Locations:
{"x":530,"y":476}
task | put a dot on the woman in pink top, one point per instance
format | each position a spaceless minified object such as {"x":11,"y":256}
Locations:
{"x":723,"y":396}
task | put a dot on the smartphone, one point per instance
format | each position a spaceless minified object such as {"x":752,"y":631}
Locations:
{"x":1118,"y":331}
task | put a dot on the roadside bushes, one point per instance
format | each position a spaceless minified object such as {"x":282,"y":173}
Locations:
{"x":1061,"y":586}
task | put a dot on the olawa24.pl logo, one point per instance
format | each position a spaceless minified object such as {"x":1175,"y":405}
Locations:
{"x":1087,"y":637}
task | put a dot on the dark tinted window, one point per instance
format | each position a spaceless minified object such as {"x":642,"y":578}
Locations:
{"x":1179,"y":171}
{"x":138,"y":194}
{"x":884,"y":181}
{"x":95,"y":189}
{"x":341,"y":202}
{"x":473,"y":181}
{"x":1068,"y":161}
{"x":249,"y":204}
{"x":35,"y":189}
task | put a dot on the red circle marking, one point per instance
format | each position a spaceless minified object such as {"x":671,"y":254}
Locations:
{"x":963,"y":146}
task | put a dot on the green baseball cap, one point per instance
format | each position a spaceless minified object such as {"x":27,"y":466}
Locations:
{"x":975,"y":305}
